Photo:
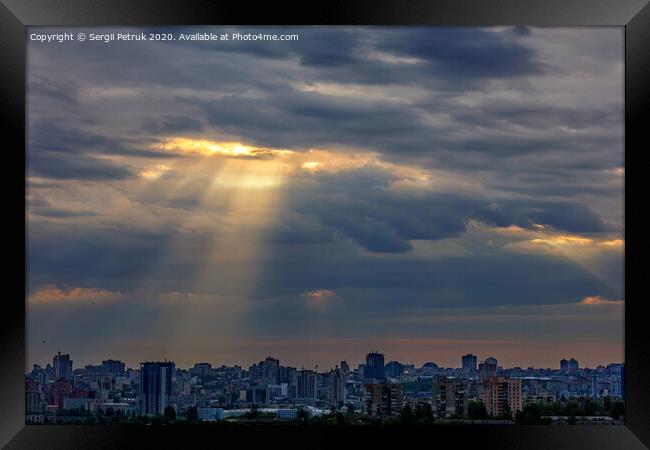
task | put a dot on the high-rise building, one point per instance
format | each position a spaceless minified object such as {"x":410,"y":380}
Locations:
{"x":32,"y":397}
{"x":394,"y":369}
{"x":564,"y":365}
{"x":62,"y":367}
{"x":382,"y":399}
{"x":306,"y":384}
{"x":286,"y":374}
{"x":374,"y":368}
{"x":201,"y":369}
{"x":487,"y":369}
{"x":499,"y":392}
{"x":573,"y":364}
{"x":336,"y":387}
{"x":270,"y":369}
{"x":155,"y":386}
{"x":469,"y":363}
{"x":594,"y":385}
{"x":449,"y":397}
{"x":345,"y":366}
{"x":622,"y":381}
{"x":114,"y":367}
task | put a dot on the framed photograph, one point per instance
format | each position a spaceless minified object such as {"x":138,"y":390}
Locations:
{"x":348,"y":220}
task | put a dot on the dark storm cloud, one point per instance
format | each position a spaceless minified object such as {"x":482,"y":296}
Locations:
{"x":501,"y":112}
{"x":298,"y":120}
{"x":467,"y":52}
{"x":383,"y":220}
{"x":281,"y":116}
{"x":50,"y":137}
{"x":58,"y":212}
{"x":59,"y":90}
{"x":79,"y":167}
{"x":172,"y":124}
{"x":298,"y":229}
{"x":489,"y":279}
{"x":104,"y":254}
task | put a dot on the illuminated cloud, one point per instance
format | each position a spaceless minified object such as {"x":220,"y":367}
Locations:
{"x":54,"y":294}
{"x":598,"y":300}
{"x":321,"y":299}
{"x":155,"y":172}
{"x":208,"y":147}
{"x":542,"y":238}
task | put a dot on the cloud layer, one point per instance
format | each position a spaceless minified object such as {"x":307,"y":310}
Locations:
{"x":358,"y":182}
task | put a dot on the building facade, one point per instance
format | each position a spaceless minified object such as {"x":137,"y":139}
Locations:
{"x":336,"y":388}
{"x":382,"y":399}
{"x":499,"y":392}
{"x":469,"y":363}
{"x":155,"y":386}
{"x":374,"y":368}
{"x":487,"y":369}
{"x":306,"y":384}
{"x":62,"y":367}
{"x":449,"y":397}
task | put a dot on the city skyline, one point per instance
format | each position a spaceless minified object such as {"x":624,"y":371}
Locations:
{"x":352,"y":363}
{"x":430,"y":192}
{"x":374,"y":392}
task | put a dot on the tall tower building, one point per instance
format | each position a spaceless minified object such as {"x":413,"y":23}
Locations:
{"x":487,"y":369}
{"x":306,"y":384}
{"x":469,"y":363}
{"x":374,"y":368}
{"x":115,"y":367}
{"x":32,"y":397}
{"x":155,"y":386}
{"x":336,"y":387}
{"x":62,"y":367}
{"x":564,"y":365}
{"x":270,"y":370}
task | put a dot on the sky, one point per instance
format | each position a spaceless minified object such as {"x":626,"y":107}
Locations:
{"x":423,"y":192}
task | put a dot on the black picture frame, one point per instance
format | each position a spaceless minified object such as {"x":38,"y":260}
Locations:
{"x":634,"y":15}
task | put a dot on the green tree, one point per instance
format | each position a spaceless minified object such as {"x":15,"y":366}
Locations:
{"x":302,"y":415}
{"x":532,"y":415}
{"x":591,"y":407}
{"x":607,"y":403}
{"x":254,"y":413}
{"x":572,"y":408}
{"x":423,"y":413}
{"x":192,"y":414}
{"x":476,"y":410}
{"x":170,"y":412}
{"x":406,"y":415}
{"x":507,"y":412}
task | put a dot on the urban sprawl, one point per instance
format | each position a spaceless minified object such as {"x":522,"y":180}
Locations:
{"x":373,"y":393}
